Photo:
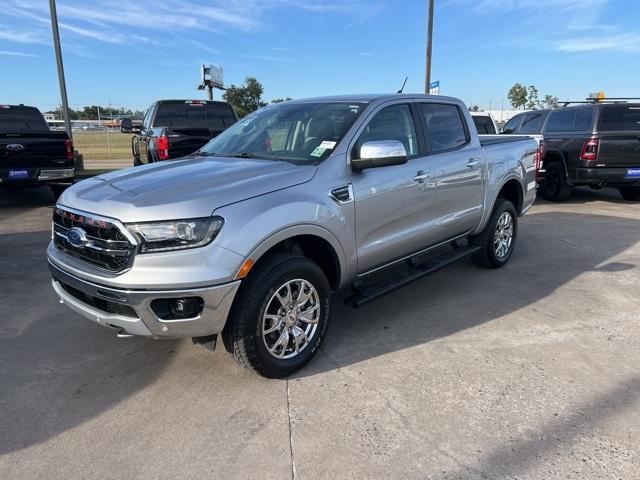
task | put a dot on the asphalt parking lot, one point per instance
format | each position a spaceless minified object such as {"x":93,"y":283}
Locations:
{"x":532,"y":371}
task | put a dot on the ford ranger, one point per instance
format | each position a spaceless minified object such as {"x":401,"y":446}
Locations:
{"x":249,"y":237}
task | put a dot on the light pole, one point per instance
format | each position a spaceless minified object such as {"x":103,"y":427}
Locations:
{"x":427,"y":77}
{"x":63,"y":86}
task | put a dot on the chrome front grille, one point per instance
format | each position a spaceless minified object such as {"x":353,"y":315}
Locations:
{"x":105,"y":242}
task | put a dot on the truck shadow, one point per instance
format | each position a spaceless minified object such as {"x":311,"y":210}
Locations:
{"x":58,"y":370}
{"x":581,"y":195}
{"x":553,"y":249}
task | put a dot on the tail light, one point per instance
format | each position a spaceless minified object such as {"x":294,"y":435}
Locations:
{"x":68,"y":147}
{"x":162,"y":147}
{"x":590,"y":149}
{"x":538,"y":158}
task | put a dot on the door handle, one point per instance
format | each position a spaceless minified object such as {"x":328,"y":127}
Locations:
{"x":473,"y":163}
{"x":422,"y":176}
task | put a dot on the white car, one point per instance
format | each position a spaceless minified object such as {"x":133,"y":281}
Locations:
{"x":485,"y":124}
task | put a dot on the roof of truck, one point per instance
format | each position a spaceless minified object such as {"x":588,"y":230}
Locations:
{"x":370,"y":97}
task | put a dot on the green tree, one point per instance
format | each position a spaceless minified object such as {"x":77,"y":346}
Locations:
{"x":550,"y":101}
{"x":474,"y":108}
{"x":245,"y":98}
{"x":532,"y":97}
{"x":280,"y":100}
{"x":517,"y":96}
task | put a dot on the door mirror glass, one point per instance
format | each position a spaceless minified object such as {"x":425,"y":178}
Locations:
{"x":380,"y":153}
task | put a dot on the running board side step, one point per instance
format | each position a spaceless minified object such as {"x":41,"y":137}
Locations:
{"x":364,"y":295}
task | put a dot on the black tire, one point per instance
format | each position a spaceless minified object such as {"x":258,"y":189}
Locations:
{"x":242,"y":335}
{"x":555,"y":187}
{"x":57,"y":190}
{"x":487,"y":257}
{"x":630,"y":193}
{"x":136,"y":161}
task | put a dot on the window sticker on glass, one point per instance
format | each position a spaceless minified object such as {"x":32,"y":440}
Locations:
{"x":327,"y":145}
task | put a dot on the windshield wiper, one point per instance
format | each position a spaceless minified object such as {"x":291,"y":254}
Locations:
{"x":242,"y":155}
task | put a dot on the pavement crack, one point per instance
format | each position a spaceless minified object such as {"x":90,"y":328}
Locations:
{"x":293,"y":462}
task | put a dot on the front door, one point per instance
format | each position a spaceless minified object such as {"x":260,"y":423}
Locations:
{"x":392,"y":204}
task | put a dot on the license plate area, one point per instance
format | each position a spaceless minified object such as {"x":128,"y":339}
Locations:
{"x":18,"y":175}
{"x":633,"y":172}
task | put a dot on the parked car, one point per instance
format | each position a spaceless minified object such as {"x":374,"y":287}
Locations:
{"x":594,"y":144}
{"x":249,"y":237}
{"x":176,"y":128}
{"x":31,"y":154}
{"x":484,"y":122}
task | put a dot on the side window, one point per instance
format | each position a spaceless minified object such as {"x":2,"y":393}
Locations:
{"x":584,"y":120}
{"x":532,"y":123}
{"x":445,"y":127}
{"x":513,"y":124}
{"x":392,"y":123}
{"x":484,"y":124}
{"x":146,"y":123}
{"x":561,"y":121}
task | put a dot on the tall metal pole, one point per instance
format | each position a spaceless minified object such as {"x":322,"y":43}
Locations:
{"x":427,"y":77}
{"x":63,"y":85}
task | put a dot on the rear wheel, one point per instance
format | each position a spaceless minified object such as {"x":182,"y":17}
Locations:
{"x":555,"y":187}
{"x":498,"y":238}
{"x":280,"y":316}
{"x":57,"y":190}
{"x":630,"y":193}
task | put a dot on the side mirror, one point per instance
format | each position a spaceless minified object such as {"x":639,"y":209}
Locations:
{"x":380,"y":153}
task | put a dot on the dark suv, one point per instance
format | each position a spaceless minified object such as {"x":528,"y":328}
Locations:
{"x":596,"y":145}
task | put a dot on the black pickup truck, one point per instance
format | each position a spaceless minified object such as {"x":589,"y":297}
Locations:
{"x":590,"y":144}
{"x":176,"y":128}
{"x":31,"y":154}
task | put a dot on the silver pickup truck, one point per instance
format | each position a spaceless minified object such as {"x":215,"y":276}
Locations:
{"x":249,"y":236}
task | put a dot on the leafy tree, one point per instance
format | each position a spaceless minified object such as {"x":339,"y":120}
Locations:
{"x":517,"y":95}
{"x":550,"y":101}
{"x":280,"y":100}
{"x":474,"y":108}
{"x":532,"y":97}
{"x":245,"y":98}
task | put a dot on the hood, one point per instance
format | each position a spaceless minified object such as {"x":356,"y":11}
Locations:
{"x":189,"y":188}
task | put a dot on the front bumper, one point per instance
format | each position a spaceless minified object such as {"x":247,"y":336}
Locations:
{"x":130,"y":311}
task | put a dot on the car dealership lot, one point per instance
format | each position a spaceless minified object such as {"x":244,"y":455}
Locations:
{"x":532,"y":371}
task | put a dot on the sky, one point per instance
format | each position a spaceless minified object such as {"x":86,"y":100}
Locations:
{"x":132,"y":52}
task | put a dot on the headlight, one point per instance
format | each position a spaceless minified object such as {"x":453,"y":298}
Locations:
{"x":176,"y":234}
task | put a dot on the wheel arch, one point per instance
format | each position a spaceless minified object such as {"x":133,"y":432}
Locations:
{"x":311,"y":241}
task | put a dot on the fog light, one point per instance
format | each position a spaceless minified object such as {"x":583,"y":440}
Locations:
{"x":185,"y":307}
{"x":177,"y":308}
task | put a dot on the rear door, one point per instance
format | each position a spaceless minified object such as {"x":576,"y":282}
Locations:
{"x":458,"y":164}
{"x":532,"y":123}
{"x":393,"y":204}
{"x":512,"y":125}
{"x":619,"y":129}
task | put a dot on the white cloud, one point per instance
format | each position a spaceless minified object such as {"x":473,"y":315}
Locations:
{"x":21,"y":36}
{"x":16,"y":54}
{"x":624,"y":42}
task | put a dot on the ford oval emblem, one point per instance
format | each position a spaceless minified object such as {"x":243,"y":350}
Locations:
{"x":15,"y":147}
{"x":77,"y":237}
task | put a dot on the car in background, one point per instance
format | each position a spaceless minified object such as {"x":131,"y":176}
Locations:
{"x":586,"y":144}
{"x":176,"y":128}
{"x":484,"y":122}
{"x":31,"y":154}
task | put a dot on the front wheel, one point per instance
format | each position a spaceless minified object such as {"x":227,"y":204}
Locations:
{"x":280,"y":315}
{"x":630,"y":193}
{"x":498,"y":238}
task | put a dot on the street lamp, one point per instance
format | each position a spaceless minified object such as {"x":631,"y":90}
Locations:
{"x":63,"y":86}
{"x":427,"y":77}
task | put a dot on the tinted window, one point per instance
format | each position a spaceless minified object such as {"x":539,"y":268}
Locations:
{"x":513,"y":124}
{"x":483,"y":124}
{"x":620,"y":118}
{"x":21,"y":119}
{"x":570,"y":120}
{"x":444,"y":126}
{"x":532,"y":123}
{"x":147,"y":116}
{"x":392,"y":123}
{"x":217,"y":116}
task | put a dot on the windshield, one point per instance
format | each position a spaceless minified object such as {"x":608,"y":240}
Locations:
{"x":300,"y":133}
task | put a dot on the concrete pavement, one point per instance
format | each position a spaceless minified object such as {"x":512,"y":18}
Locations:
{"x":529,"y":372}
